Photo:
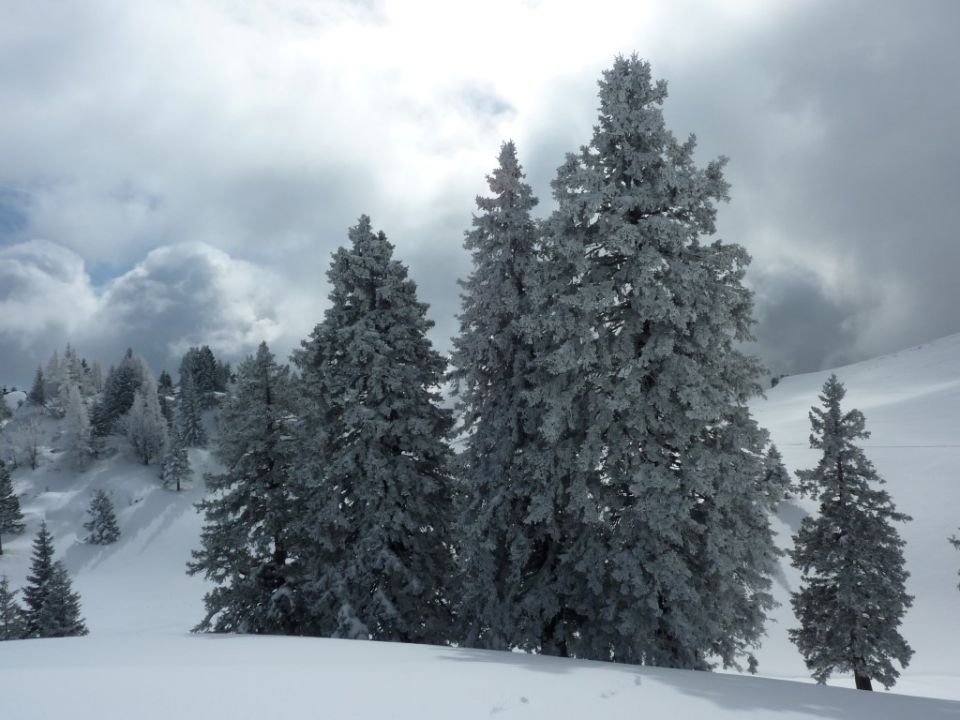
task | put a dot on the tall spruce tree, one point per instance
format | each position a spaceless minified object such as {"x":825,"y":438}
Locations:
{"x":189,"y":418}
{"x":376,"y":515}
{"x":493,"y":370}
{"x":249,"y":513}
{"x":853,"y":596}
{"x":645,"y":391}
{"x":38,"y":394}
{"x":102,"y":525}
{"x":11,"y":518}
{"x":37,"y":589}
{"x":59,"y":616}
{"x":11,"y":614}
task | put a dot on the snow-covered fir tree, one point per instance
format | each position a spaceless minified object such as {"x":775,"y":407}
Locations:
{"x":493,"y":369}
{"x":59,"y":616}
{"x":200,"y":366}
{"x":176,"y":464}
{"x":119,"y":390}
{"x":38,"y":581}
{"x":144,"y":424}
{"x":853,"y":587}
{"x":25,"y":433}
{"x":38,"y":394}
{"x":11,"y":518}
{"x":776,"y":482}
{"x":189,"y":419}
{"x":51,"y":377}
{"x":11,"y":614}
{"x":249,"y":513}
{"x":6,"y":412}
{"x":664,"y":538}
{"x":102,"y":525}
{"x":165,"y":395}
{"x":78,"y":435}
{"x":376,"y":515}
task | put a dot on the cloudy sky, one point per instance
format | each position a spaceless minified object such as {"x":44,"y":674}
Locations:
{"x":177,"y":172}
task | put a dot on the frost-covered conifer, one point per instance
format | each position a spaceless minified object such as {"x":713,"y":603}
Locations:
{"x":119,"y":390}
{"x":102,"y":525}
{"x":145,"y":426}
{"x":38,"y":581}
{"x":190,"y":414}
{"x":59,"y":616}
{"x":38,"y":394}
{"x":78,"y":436}
{"x":642,"y":317}
{"x":11,"y":518}
{"x":200,"y":366}
{"x":501,"y":544}
{"x":776,"y":482}
{"x":11,"y":614}
{"x":51,"y":377}
{"x":176,"y":464}
{"x":249,"y":513}
{"x":376,"y":518}
{"x":853,"y":596}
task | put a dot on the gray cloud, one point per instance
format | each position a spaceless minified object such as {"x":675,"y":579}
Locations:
{"x":178,"y":296}
{"x":124,"y":132}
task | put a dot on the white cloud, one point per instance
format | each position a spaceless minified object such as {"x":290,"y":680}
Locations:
{"x":178,"y":296}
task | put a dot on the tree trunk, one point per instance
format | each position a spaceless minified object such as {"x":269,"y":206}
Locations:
{"x":863,"y":681}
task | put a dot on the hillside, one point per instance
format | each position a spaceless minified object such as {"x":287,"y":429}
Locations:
{"x":911,"y":400}
{"x":139,"y":604}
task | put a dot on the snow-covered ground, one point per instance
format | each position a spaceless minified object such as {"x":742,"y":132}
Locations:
{"x":139,"y":660}
{"x":911,"y":401}
{"x":166,"y":676}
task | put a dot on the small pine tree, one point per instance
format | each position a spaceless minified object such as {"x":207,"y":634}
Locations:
{"x":6,"y":412}
{"x":145,"y":425}
{"x":38,"y":394}
{"x":853,"y":596}
{"x":102,"y":525}
{"x":189,"y":416}
{"x":11,"y":518}
{"x":59,"y":615}
{"x":176,"y":464}
{"x":77,"y":430}
{"x":119,"y":390}
{"x":38,"y":581}
{"x":776,"y":482}
{"x":11,"y":614}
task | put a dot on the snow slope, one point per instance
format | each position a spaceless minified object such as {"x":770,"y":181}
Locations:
{"x":911,"y":401}
{"x":139,"y":604}
{"x":169,"y":676}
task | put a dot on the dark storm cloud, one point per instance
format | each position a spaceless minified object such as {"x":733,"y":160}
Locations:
{"x":123,"y":134}
{"x":843,"y":159}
